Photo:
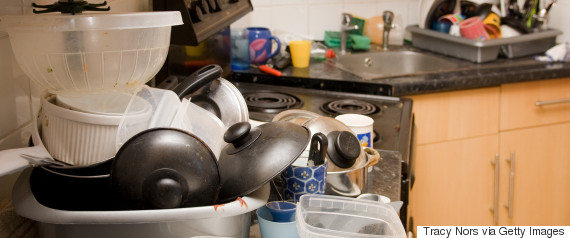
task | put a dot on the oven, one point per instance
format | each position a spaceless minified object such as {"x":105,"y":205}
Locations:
{"x":393,"y":118}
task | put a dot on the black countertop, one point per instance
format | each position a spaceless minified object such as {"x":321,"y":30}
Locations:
{"x":385,"y":176}
{"x":467,"y":75}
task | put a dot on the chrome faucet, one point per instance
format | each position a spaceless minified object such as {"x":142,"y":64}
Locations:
{"x":344,"y":28}
{"x":387,"y":16}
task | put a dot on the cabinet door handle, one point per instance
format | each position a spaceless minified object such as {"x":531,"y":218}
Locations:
{"x":495,"y":208}
{"x":509,"y":206}
{"x":542,"y":103}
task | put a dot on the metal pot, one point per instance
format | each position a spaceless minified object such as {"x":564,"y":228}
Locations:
{"x":352,"y":181}
{"x":223,"y":99}
{"x":219,"y":97}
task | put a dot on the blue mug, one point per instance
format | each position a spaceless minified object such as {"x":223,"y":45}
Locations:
{"x":300,"y":180}
{"x":260,"y":45}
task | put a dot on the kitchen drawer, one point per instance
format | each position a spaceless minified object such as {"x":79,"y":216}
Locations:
{"x":518,"y":103}
{"x":455,"y":115}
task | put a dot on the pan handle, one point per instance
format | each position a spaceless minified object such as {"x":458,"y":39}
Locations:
{"x":197,"y":80}
{"x":374,"y":156}
{"x":318,"y":149}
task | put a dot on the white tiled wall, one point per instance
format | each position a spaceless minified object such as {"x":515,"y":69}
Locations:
{"x":17,"y":100}
{"x":560,"y":19}
{"x":309,"y":19}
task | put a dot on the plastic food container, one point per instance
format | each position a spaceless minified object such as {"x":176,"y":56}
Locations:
{"x":202,"y":123}
{"x":332,"y":216}
{"x":483,"y":51}
{"x":90,"y":52}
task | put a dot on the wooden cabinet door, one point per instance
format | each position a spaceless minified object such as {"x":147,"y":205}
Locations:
{"x":456,"y":115}
{"x":454,"y":182}
{"x":519,"y":103}
{"x":541,"y":176}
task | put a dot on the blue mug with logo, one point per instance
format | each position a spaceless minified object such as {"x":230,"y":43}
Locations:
{"x":260,"y":39}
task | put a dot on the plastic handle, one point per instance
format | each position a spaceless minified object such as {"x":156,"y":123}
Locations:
{"x":373,"y":156}
{"x":164,"y":189}
{"x":318,"y":149}
{"x":270,"y":70}
{"x":278,"y":46}
{"x":347,"y":145}
{"x":343,"y":148}
{"x":197,"y":80}
{"x":237,"y":132}
{"x":240,"y":135}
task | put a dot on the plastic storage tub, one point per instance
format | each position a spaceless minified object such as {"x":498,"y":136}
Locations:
{"x":226,"y":220}
{"x":483,"y":51}
{"x":332,"y":216}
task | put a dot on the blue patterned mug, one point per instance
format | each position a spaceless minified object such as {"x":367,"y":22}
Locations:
{"x":299,"y":180}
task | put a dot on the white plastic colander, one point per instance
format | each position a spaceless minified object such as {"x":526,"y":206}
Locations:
{"x":90,"y":52}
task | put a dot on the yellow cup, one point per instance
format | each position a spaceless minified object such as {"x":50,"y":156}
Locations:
{"x":493,"y":20}
{"x":300,"y":53}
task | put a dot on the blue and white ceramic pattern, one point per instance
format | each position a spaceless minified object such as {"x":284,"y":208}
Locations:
{"x":302,"y":180}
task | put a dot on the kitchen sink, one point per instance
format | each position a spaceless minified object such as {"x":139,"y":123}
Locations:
{"x":384,"y":64}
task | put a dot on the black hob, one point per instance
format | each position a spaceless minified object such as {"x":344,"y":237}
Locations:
{"x":392,"y":116}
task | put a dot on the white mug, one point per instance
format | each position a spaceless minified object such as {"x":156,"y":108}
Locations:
{"x":361,"y":125}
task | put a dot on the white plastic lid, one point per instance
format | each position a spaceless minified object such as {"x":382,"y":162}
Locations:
{"x":91,"y":21}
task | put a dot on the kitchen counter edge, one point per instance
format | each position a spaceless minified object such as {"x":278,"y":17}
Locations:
{"x":324,"y":76}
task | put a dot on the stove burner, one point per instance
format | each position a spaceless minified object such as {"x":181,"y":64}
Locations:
{"x":345,"y":106}
{"x":271,"y":102}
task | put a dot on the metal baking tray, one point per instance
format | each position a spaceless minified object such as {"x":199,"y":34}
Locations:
{"x":481,"y":51}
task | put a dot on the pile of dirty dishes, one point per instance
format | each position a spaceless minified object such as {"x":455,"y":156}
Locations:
{"x":348,"y":161}
{"x":87,"y":67}
{"x":151,"y":154}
